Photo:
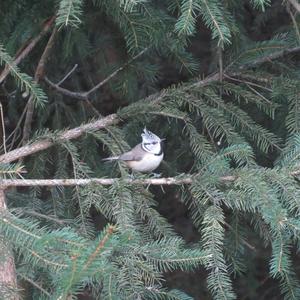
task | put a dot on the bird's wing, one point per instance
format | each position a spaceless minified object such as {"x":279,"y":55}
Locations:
{"x":135,"y":154}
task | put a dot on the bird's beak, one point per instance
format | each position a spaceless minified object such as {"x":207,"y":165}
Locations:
{"x":162,"y":140}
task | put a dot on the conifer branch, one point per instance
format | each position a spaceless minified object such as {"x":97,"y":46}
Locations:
{"x":47,"y":261}
{"x":67,"y":135}
{"x":179,"y":180}
{"x":187,"y":179}
{"x":113,"y":118}
{"x":25,"y":50}
{"x":110,"y":230}
{"x":270,"y":57}
{"x":34,"y":284}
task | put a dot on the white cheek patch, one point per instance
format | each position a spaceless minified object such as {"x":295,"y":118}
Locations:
{"x":146,"y":148}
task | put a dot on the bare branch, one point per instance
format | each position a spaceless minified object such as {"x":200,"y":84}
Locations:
{"x":85,"y":95}
{"x":67,"y":75}
{"x":220,"y":63}
{"x":39,"y":73}
{"x":76,"y":95}
{"x":3,"y":128}
{"x":100,"y":84}
{"x":24,"y":51}
{"x":67,"y":135}
{"x":40,"y":70}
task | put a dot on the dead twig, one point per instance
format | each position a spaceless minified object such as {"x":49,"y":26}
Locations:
{"x":3,"y":128}
{"x":85,"y":95}
{"x":39,"y":74}
{"x":67,"y":75}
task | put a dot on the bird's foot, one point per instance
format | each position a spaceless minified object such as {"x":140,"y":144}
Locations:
{"x":156,"y":175}
{"x":131,"y":176}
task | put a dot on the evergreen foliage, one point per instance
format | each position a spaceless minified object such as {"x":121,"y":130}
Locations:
{"x":24,"y":82}
{"x":235,"y":134}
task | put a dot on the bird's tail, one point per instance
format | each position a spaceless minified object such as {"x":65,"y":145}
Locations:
{"x":110,"y":158}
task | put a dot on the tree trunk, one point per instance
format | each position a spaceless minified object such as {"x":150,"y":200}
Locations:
{"x":8,"y":280}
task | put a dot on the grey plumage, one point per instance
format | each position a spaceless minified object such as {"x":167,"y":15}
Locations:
{"x":144,"y":157}
{"x":135,"y":153}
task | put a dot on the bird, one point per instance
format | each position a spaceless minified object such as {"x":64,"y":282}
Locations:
{"x":144,"y":157}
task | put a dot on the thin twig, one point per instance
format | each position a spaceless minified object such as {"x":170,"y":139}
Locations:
{"x":85,"y":95}
{"x":220,"y":61}
{"x":113,"y":74}
{"x":243,"y":241}
{"x":75,"y":95}
{"x":247,"y":82}
{"x":24,"y":51}
{"x":34,"y":284}
{"x":221,"y":71}
{"x":270,"y":57}
{"x":3,"y":128}
{"x":46,"y":217}
{"x":252,"y":77}
{"x":16,"y":132}
{"x":258,"y":93}
{"x":67,"y":75}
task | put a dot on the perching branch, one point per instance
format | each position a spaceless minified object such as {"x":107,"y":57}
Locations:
{"x":25,"y":50}
{"x":183,"y":179}
{"x":188,"y":179}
